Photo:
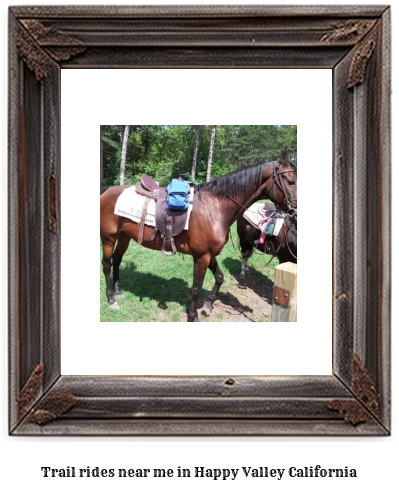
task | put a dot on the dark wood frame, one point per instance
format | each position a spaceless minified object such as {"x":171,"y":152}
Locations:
{"x":353,"y":41}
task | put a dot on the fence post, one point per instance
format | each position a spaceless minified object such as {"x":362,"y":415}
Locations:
{"x":284,"y":294}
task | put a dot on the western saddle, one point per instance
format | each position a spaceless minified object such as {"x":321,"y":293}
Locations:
{"x":169,"y":223}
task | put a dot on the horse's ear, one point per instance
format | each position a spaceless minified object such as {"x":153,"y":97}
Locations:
{"x":285,"y":156}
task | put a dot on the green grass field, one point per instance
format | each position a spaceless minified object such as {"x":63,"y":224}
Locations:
{"x":157,"y":288}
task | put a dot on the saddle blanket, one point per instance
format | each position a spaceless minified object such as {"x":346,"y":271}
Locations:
{"x":254,"y":214}
{"x":259,"y":218}
{"x":130,"y":205}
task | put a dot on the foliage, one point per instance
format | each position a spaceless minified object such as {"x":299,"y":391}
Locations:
{"x":165,"y":151}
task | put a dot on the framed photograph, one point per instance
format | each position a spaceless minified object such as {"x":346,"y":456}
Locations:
{"x":352,"y":45}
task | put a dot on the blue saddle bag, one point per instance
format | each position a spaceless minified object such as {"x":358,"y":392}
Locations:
{"x":178,"y":195}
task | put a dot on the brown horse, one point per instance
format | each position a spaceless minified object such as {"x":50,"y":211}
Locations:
{"x":284,"y":245}
{"x":216,"y":206}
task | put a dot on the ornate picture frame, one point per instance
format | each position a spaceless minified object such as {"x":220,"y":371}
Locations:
{"x":353,"y":42}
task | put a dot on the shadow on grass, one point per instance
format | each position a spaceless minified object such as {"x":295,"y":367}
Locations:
{"x":149,"y":286}
{"x":256,"y":281}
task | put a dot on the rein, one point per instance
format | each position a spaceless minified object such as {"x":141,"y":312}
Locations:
{"x":258,"y":253}
{"x":234,"y":247}
{"x":290,"y":202}
{"x":232,"y":199}
{"x":290,"y":214}
{"x":285,"y":237}
{"x":287,"y":225}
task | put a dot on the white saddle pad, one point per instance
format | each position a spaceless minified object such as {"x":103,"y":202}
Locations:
{"x":130,"y":205}
{"x":253,"y":215}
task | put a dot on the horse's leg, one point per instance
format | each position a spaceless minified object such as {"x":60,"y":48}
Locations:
{"x":244,"y":266}
{"x":217,"y":273}
{"x":120,"y":250}
{"x":200,"y":266}
{"x":108,"y":247}
{"x":245,"y":234}
{"x":242,"y":273}
{"x":246,"y":253}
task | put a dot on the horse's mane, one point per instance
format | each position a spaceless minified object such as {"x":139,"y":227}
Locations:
{"x":246,"y":180}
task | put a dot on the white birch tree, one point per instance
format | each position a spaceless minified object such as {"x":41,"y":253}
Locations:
{"x":194,"y":166}
{"x":123,"y":156}
{"x":208,"y":171}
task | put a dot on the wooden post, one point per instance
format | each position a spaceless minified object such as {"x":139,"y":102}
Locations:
{"x":284,"y":294}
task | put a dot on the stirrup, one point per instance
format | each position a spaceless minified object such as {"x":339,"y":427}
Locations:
{"x":172,"y":244}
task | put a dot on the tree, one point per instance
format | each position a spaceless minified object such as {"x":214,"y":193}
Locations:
{"x":208,"y":171}
{"x":166,"y":151}
{"x":123,"y":157}
{"x":194,"y":166}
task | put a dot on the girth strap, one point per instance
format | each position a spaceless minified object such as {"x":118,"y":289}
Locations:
{"x":142,"y":220}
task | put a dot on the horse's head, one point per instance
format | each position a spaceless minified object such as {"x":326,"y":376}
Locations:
{"x":280,"y":180}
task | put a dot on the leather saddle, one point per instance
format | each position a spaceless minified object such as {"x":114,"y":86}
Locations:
{"x":169,"y":223}
{"x":149,"y":184}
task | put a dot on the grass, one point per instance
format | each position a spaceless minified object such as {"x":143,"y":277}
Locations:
{"x":157,"y":288}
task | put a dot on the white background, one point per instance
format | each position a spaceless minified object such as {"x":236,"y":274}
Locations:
{"x":374,"y":458}
{"x":225,"y":97}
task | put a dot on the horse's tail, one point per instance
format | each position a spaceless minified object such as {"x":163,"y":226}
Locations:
{"x":104,"y":189}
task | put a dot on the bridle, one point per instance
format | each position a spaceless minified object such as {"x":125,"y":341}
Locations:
{"x":290,"y":217}
{"x":288,"y":200}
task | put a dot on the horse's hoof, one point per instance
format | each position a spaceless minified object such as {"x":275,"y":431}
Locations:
{"x":207,"y":308}
{"x":191,"y":319}
{"x":119,"y":294}
{"x":114,"y":305}
{"x":242,"y":275}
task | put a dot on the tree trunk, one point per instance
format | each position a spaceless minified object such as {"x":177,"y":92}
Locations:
{"x":194,"y":168}
{"x":208,"y":171}
{"x":123,"y":157}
